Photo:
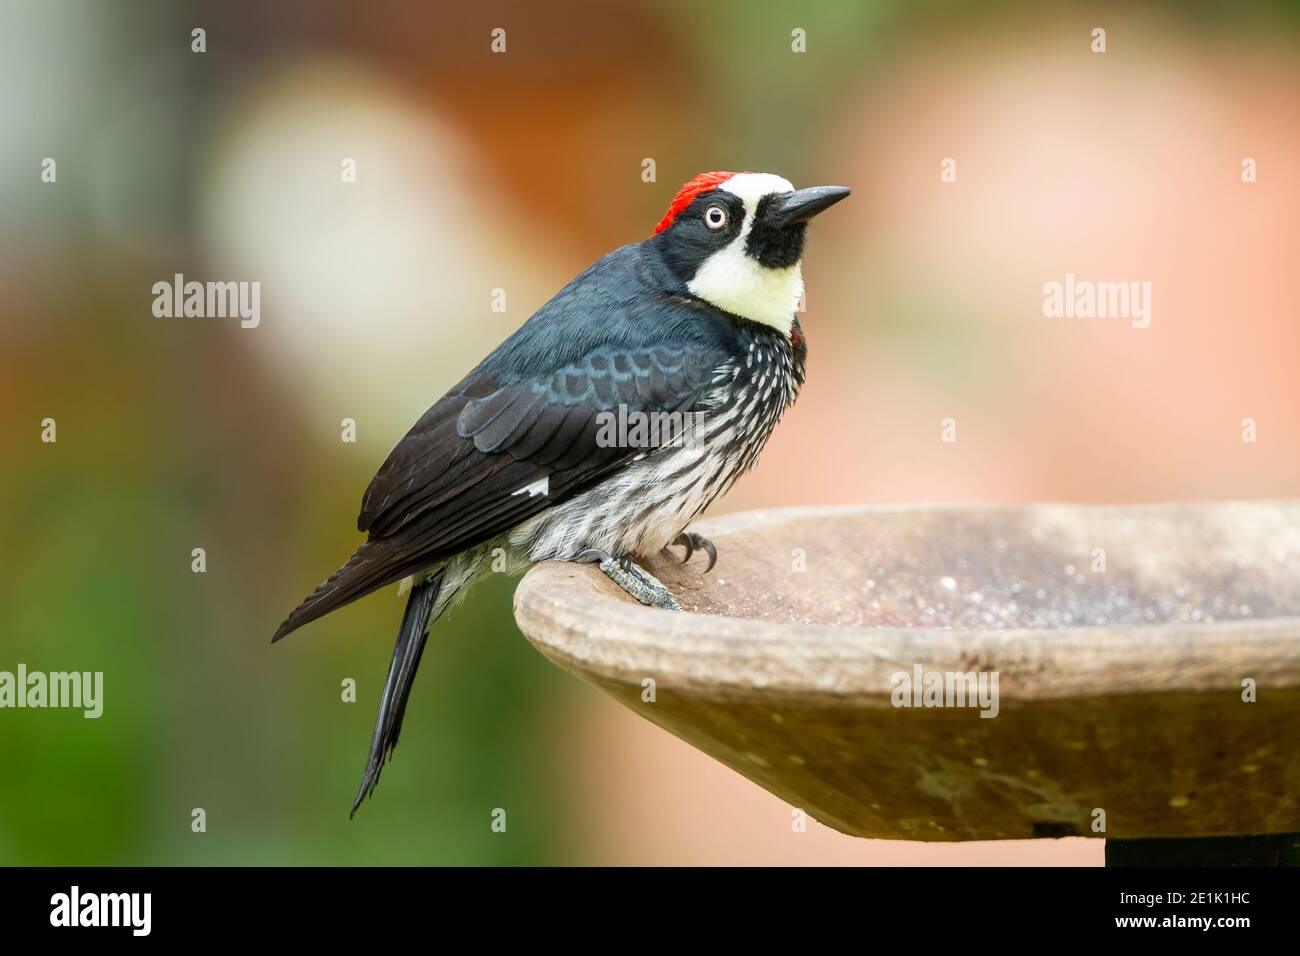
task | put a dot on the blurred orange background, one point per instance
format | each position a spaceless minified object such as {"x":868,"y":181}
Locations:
{"x":479,"y":171}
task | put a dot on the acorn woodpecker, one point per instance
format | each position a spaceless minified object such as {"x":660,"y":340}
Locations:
{"x":698,"y":324}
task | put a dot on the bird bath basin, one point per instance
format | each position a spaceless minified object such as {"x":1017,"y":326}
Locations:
{"x":1123,"y":639}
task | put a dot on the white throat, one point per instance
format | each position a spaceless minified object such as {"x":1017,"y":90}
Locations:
{"x":736,"y":282}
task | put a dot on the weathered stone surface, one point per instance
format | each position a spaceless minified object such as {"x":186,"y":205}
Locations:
{"x":1119,"y":689}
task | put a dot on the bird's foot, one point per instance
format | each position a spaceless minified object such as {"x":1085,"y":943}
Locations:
{"x":693,"y":542}
{"x":633,"y":579}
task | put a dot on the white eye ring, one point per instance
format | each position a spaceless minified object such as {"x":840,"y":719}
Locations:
{"x":715,"y":217}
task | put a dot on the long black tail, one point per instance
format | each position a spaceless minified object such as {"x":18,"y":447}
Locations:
{"x":397,"y":688}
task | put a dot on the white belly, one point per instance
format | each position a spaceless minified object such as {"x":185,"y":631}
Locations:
{"x":640,"y":510}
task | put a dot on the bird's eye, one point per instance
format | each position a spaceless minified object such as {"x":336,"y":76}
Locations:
{"x":715,"y":217}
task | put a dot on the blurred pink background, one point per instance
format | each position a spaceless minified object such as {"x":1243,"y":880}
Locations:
{"x":516,"y":171}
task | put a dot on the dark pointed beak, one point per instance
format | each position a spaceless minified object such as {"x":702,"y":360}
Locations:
{"x":802,"y":204}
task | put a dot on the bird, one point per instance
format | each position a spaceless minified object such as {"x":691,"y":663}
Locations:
{"x":697,"y":325}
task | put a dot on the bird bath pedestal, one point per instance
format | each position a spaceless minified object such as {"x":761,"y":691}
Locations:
{"x":1147,"y":664}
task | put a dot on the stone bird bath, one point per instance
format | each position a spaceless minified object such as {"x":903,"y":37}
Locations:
{"x":1124,"y":640}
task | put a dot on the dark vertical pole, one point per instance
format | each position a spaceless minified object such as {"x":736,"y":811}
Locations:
{"x":1271,"y":849}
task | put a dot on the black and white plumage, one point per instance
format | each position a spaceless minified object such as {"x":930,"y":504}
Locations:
{"x":699,"y":321}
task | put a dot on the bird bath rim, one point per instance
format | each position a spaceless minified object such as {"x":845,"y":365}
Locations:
{"x":577,"y":618}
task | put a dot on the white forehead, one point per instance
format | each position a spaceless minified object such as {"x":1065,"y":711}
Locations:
{"x":751,"y":187}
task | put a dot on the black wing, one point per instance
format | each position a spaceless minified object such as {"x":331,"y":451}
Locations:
{"x":463,"y":473}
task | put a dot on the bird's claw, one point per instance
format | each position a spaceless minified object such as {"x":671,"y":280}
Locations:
{"x":597,"y":556}
{"x":693,"y":542}
{"x":633,"y":579}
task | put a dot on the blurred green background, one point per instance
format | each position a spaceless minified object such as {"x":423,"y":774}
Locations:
{"x":479,"y":171}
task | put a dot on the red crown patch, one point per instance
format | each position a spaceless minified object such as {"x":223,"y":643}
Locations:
{"x":702,"y":183}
